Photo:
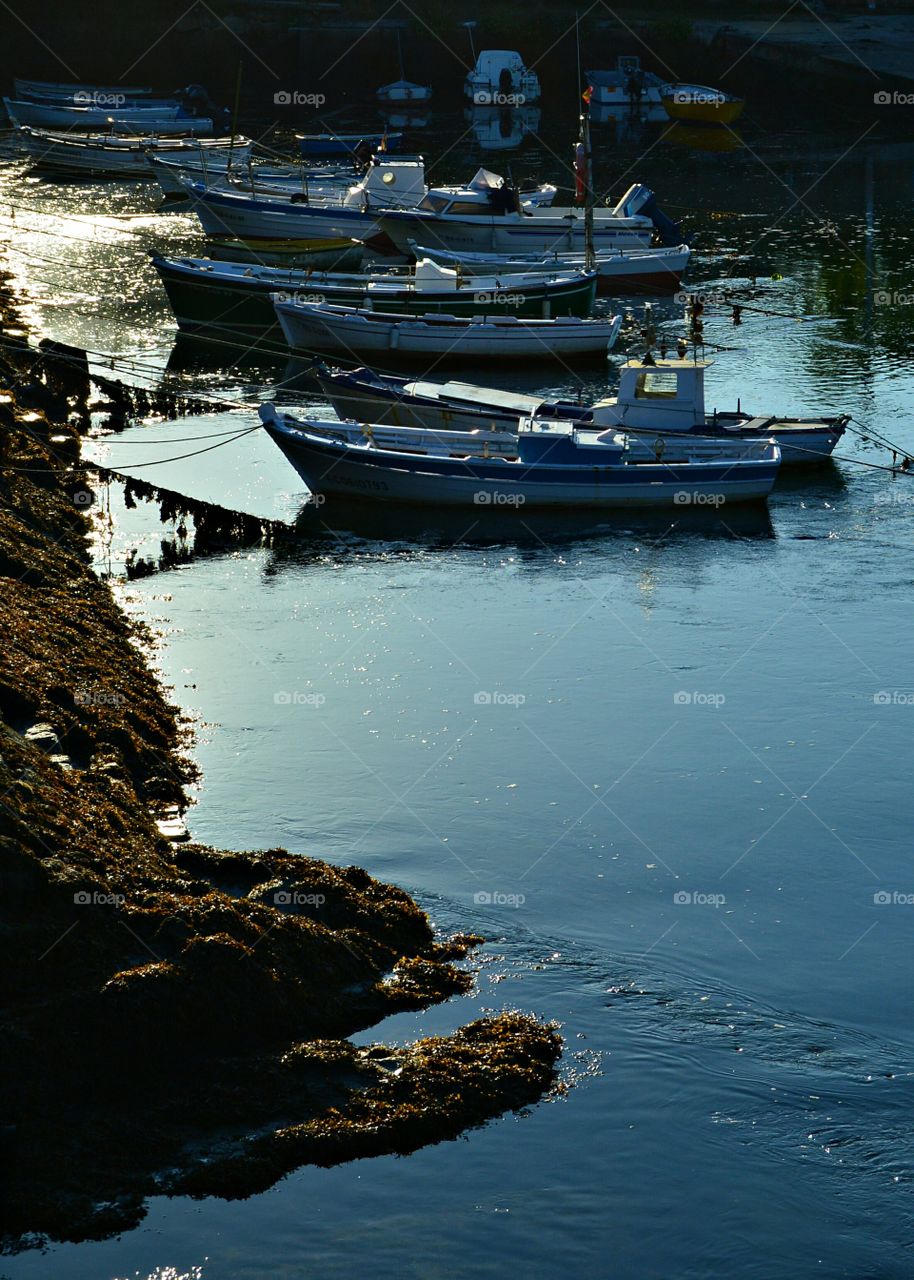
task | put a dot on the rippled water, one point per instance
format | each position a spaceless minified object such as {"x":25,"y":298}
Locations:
{"x":661,"y":765}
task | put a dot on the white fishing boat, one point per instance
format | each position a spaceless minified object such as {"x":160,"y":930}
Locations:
{"x":501,"y":79}
{"x":660,"y":403}
{"x":444,"y":221}
{"x":316,"y":326}
{"x":641,"y":271}
{"x":150,"y":119}
{"x":555,"y":466}
{"x":123,"y":156}
{"x":390,"y":182}
{"x":247,"y":174}
{"x":627,"y":85}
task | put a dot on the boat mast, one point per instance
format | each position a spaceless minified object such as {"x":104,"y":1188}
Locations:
{"x":590,"y":256}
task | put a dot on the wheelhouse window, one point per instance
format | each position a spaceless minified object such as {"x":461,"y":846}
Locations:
{"x":656,"y":384}
{"x":432,"y":203}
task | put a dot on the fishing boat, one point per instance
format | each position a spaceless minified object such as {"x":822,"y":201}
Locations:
{"x":389,"y":182}
{"x":500,"y":78}
{"x":445,"y":221}
{"x":321,"y":326}
{"x":657,"y":400}
{"x":329,"y":255}
{"x":634,"y":271}
{"x":333,"y":145}
{"x":403,"y":90}
{"x":163,"y":120}
{"x":627,"y":85}
{"x":118,"y":155}
{"x":249,"y":174}
{"x":698,"y":104}
{"x":424,"y":404}
{"x":555,"y":466}
{"x":207,"y":295}
{"x":57,"y":91}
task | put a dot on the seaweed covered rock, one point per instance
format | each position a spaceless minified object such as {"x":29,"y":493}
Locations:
{"x":174,"y":1014}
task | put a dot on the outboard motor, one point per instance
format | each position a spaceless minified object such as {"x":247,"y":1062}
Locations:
{"x":640,"y":199}
{"x":670,"y":232}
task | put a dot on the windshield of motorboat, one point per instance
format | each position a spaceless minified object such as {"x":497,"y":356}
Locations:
{"x":431,"y":202}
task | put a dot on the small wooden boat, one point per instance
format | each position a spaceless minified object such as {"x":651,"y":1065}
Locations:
{"x":347,"y":144}
{"x":657,"y":400}
{"x":75,"y":94}
{"x":247,"y":174}
{"x":114,"y":155}
{"x":309,"y":326}
{"x":555,"y":466}
{"x":330,"y":255}
{"x":164,"y":121}
{"x":635,"y":271}
{"x":229,"y":296}
{"x":698,"y":104}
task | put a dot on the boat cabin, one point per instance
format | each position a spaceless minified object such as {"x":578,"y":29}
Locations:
{"x":663,"y":395}
{"x":500,"y":78}
{"x":389,"y":180}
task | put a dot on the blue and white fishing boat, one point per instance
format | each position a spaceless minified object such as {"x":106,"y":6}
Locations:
{"x":554,"y":466}
{"x":627,"y":86}
{"x":657,"y":400}
{"x":162,"y":120}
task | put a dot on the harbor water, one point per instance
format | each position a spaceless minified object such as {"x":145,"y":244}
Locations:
{"x":662,"y":765}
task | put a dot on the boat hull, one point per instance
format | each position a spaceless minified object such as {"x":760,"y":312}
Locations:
{"x":104,"y":158}
{"x":346,"y":144}
{"x":163,"y":121}
{"x":314,"y":328}
{"x":206,"y":299}
{"x":333,"y":468}
{"x":637,"y":272}
{"x":509,"y":234}
{"x":707,"y":108}
{"x":230,"y":214}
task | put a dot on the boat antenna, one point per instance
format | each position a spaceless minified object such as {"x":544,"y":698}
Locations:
{"x":577,"y":40}
{"x":235,"y":113}
{"x":469,"y":26}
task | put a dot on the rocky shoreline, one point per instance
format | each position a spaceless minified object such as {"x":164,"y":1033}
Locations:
{"x":177,"y":1016}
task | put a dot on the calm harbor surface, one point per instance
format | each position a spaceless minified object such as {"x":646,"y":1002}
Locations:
{"x":660,"y":764}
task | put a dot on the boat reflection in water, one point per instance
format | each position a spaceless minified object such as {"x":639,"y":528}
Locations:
{"x":502,"y":128}
{"x":702,"y":138}
{"x":536,"y":531}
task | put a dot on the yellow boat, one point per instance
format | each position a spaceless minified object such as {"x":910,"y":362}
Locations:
{"x":698,"y":104}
